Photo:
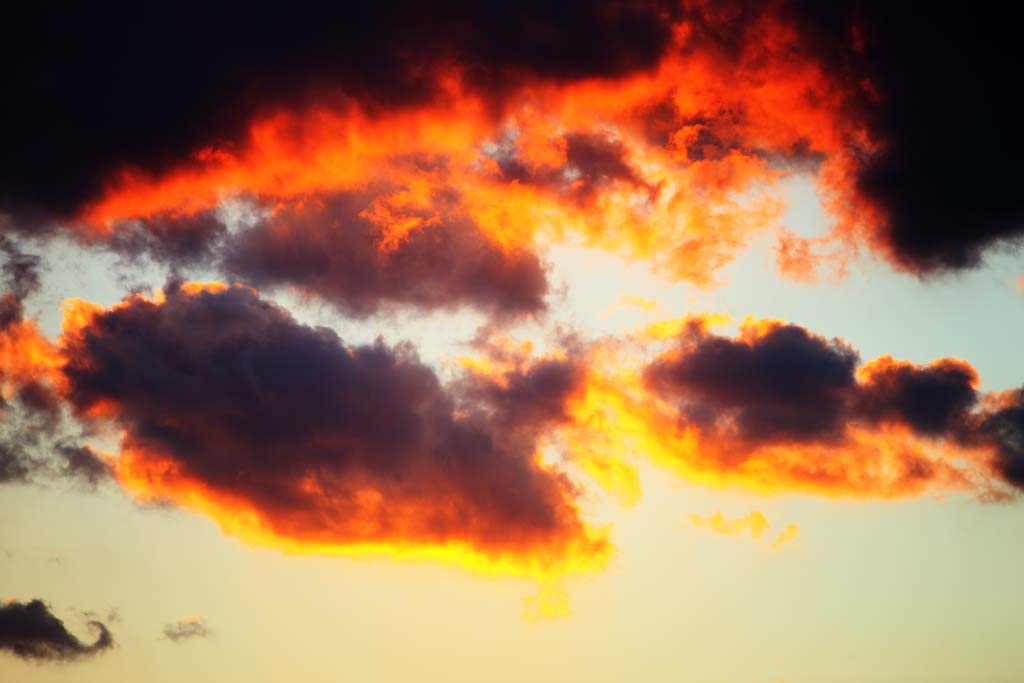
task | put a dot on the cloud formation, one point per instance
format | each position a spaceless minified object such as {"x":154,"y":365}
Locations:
{"x":289,"y":438}
{"x":239,"y":62}
{"x":28,"y":630}
{"x":778,"y":408}
{"x":462,"y":139}
{"x":942,"y":206}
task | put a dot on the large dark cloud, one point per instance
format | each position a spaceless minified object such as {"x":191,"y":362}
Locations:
{"x":224,"y":394}
{"x":89,"y":89}
{"x":947,"y":111}
{"x":30,"y":631}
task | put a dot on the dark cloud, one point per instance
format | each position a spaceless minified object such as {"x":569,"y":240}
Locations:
{"x":187,"y":629}
{"x":779,"y":385}
{"x":30,"y":631}
{"x":80,"y":463}
{"x":197,"y":77}
{"x":20,"y":270}
{"x":16,"y":464}
{"x":22,"y":441}
{"x":1003,"y":428}
{"x":787,"y":384}
{"x":180,"y":241}
{"x":528,"y":396}
{"x":934,"y":399}
{"x":40,"y":400}
{"x":20,"y":279}
{"x":328,"y":248}
{"x":598,"y":159}
{"x":592,"y":162}
{"x":92,"y":90}
{"x":783,"y":383}
{"x":944,"y":73}
{"x":222,"y":393}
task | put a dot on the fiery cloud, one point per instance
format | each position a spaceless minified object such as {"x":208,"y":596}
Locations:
{"x":28,"y":630}
{"x":778,"y":408}
{"x":654,"y":129}
{"x":288,"y":438}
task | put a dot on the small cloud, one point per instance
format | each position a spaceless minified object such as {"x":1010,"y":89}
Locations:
{"x":755,"y":523}
{"x":30,"y":631}
{"x":625,"y":301}
{"x":187,"y":628}
{"x":786,"y":536}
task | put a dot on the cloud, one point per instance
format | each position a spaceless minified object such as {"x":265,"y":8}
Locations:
{"x":30,"y":631}
{"x":255,"y":61}
{"x":932,"y":207}
{"x":654,"y":144}
{"x":777,"y":383}
{"x":289,"y":438}
{"x":791,"y":407}
{"x":778,"y":408}
{"x":83,"y":464}
{"x":20,"y":270}
{"x":332,"y":247}
{"x":1001,"y":427}
{"x":29,"y":406}
{"x":187,"y":628}
{"x":755,"y":523}
{"x":660,"y":145}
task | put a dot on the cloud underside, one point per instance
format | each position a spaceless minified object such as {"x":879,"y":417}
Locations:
{"x":288,"y":437}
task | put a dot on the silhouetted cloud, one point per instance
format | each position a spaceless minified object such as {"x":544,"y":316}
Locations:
{"x":291,"y":438}
{"x":30,"y":631}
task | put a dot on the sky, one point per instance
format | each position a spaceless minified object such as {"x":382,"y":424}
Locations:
{"x":667,"y":341}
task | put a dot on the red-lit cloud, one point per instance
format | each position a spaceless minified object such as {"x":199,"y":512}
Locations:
{"x":778,"y":409}
{"x":289,"y":438}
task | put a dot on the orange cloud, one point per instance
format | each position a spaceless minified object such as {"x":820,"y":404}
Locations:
{"x":289,"y":439}
{"x":674,"y":164}
{"x":754,"y":523}
{"x":779,"y":409}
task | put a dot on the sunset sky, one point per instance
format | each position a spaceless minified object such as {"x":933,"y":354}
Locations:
{"x":643,"y":341}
